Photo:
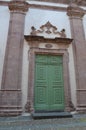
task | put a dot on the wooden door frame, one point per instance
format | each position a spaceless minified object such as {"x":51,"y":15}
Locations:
{"x":34,"y":49}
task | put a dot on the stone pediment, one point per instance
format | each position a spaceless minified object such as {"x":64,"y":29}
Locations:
{"x":48,"y":30}
{"x":37,"y":37}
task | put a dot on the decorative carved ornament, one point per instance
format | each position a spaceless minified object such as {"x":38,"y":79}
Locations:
{"x":48,"y":45}
{"x":34,"y":39}
{"x":48,"y":28}
{"x":18,"y":6}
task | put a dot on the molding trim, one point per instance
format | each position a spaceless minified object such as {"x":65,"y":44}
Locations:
{"x":43,"y":7}
{"x":54,"y":8}
{"x":30,"y":38}
{"x":78,"y":2}
{"x":46,"y":7}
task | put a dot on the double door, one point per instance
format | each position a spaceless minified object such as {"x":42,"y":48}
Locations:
{"x":49,"y":84}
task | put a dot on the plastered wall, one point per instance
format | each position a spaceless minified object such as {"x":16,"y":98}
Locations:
{"x":4,"y":25}
{"x":84,"y":23}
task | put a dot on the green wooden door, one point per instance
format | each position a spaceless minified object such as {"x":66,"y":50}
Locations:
{"x":49,"y":87}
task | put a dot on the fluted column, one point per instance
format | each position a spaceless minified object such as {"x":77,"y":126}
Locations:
{"x":10,"y":93}
{"x":76,"y":14}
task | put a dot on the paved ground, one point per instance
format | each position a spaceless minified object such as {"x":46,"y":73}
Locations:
{"x":77,"y":122}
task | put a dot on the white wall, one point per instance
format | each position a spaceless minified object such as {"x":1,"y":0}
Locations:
{"x":84,"y":22}
{"x":4,"y":23}
{"x":72,"y":75}
{"x":25,"y":74}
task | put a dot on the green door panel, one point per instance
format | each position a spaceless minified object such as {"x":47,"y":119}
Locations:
{"x":41,"y":90}
{"x":49,"y":86}
{"x":56,"y":87}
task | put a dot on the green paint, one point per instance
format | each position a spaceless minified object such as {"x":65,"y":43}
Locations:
{"x":49,"y":87}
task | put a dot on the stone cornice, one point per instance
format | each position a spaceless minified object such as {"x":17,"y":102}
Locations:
{"x":54,"y":8}
{"x":34,"y":39}
{"x":79,"y":2}
{"x":44,"y":7}
{"x":75,"y":11}
{"x":47,"y":7}
{"x":20,"y":6}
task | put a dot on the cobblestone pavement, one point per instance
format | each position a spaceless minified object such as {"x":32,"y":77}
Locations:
{"x":77,"y":122}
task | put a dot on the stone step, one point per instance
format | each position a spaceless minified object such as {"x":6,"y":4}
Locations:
{"x":51,"y":115}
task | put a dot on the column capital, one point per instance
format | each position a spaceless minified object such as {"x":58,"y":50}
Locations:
{"x":75,"y":11}
{"x":19,"y":6}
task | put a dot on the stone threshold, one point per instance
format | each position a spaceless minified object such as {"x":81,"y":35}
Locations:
{"x":48,"y":115}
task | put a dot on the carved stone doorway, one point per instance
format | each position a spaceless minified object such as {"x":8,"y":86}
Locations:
{"x":40,"y":45}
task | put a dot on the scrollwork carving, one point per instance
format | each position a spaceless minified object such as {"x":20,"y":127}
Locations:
{"x":48,"y":28}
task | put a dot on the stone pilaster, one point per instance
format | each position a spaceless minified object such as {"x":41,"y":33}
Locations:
{"x":10,"y":93}
{"x":76,"y":14}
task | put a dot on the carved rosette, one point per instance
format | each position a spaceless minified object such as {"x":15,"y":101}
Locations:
{"x":75,"y":11}
{"x":18,"y":6}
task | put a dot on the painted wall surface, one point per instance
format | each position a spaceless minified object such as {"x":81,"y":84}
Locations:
{"x":25,"y":67}
{"x":84,"y":23}
{"x":72,"y":75}
{"x":4,"y":25}
{"x":36,"y":18}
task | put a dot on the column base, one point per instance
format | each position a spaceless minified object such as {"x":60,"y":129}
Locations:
{"x":10,"y":111}
{"x":10,"y":102}
{"x":81,"y":109}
